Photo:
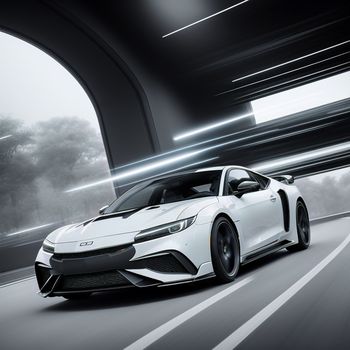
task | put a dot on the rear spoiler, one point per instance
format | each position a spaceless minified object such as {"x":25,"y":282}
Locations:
{"x":286,"y":179}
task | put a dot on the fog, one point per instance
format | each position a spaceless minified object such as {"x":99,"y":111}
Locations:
{"x":39,"y":162}
{"x":327,"y":193}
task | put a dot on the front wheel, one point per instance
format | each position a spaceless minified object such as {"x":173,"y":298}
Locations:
{"x":303,"y":228}
{"x":225,"y":252}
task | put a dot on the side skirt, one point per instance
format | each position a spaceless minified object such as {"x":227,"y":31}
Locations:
{"x":266,"y":251}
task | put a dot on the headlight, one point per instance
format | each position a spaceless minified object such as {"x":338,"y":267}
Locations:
{"x":164,"y":230}
{"x":48,"y":247}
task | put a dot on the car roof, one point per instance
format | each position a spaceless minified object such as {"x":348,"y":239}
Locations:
{"x":222,"y":167}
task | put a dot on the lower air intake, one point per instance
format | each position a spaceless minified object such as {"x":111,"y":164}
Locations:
{"x":98,"y":280}
{"x":164,"y":263}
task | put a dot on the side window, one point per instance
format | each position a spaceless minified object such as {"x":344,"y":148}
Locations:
{"x":263,"y":181}
{"x":235,"y":177}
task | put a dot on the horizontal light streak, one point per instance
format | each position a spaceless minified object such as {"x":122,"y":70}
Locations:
{"x":29,"y":229}
{"x":281,"y":74}
{"x":296,"y":79}
{"x":318,"y":93}
{"x":193,"y":145}
{"x":5,"y":137}
{"x":171,"y":171}
{"x":211,"y":127}
{"x":303,"y":157}
{"x":204,"y":19}
{"x":291,"y":61}
{"x":139,"y":170}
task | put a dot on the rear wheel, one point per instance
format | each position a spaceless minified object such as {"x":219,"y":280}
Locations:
{"x":225,"y":252}
{"x":303,"y":228}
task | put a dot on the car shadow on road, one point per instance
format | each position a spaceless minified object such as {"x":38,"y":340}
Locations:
{"x":137,"y":296}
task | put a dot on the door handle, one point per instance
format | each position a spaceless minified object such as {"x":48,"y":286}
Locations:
{"x":273,"y":198}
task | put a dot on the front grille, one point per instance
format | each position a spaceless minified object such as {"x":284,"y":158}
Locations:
{"x":164,"y":263}
{"x":90,"y":253}
{"x":98,"y":280}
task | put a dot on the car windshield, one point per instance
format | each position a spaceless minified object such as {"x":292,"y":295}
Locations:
{"x":171,"y":189}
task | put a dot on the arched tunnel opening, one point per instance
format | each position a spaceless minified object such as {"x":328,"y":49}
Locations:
{"x":213,"y":135}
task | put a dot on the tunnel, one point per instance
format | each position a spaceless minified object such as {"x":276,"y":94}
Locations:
{"x":173,"y":87}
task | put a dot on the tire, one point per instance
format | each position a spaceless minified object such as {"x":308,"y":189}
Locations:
{"x":303,"y":228}
{"x":225,"y":251}
{"x":76,"y":296}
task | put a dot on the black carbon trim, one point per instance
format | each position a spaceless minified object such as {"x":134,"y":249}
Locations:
{"x":93,"y":261}
{"x":285,"y":208}
{"x":88,"y":281}
{"x":170,"y":261}
{"x":91,"y":253}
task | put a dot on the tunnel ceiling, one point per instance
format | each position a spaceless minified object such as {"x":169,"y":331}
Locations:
{"x":202,"y":60}
{"x":151,"y":74}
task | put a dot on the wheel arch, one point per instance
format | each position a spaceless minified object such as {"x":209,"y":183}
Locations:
{"x":226,"y":216}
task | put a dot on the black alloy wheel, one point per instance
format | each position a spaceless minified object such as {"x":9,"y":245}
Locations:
{"x":225,"y":250}
{"x":303,"y":228}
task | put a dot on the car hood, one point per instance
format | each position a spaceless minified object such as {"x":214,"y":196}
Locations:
{"x":130,"y":222}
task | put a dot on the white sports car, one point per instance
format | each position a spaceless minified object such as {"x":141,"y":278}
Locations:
{"x":180,"y":228}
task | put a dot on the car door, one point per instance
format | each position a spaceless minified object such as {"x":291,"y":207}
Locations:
{"x":259,"y":212}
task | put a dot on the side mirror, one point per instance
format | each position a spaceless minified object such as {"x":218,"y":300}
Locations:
{"x":102,"y":210}
{"x":246,"y":187}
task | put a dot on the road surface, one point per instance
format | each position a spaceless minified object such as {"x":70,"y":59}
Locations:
{"x":284,"y":301}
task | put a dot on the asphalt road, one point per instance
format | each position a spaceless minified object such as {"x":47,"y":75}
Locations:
{"x":285,"y":301}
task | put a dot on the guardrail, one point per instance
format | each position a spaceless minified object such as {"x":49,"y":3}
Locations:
{"x":330,"y":217}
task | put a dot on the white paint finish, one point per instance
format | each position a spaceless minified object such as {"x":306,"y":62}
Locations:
{"x":233,"y":340}
{"x":258,"y":220}
{"x":204,"y":19}
{"x":167,"y":327}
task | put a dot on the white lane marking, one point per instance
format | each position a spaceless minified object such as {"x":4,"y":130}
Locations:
{"x":233,"y":340}
{"x":204,"y":19}
{"x":167,"y":327}
{"x":17,"y":281}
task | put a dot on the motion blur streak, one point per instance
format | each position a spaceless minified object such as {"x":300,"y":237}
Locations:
{"x":204,"y":19}
{"x":29,"y":229}
{"x":281,"y":74}
{"x":5,"y":137}
{"x":139,"y":170}
{"x":291,"y":61}
{"x":170,"y":171}
{"x":193,"y":145}
{"x":315,"y":94}
{"x":280,"y":163}
{"x":211,"y":126}
{"x":303,"y":77}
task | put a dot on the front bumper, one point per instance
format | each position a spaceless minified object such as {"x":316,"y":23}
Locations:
{"x":182,"y":257}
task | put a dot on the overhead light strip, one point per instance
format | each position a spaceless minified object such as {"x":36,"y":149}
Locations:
{"x":303,"y":157}
{"x":139,"y":170}
{"x":281,"y":74}
{"x":291,"y":61}
{"x":171,"y":171}
{"x":211,"y":126}
{"x":204,"y":19}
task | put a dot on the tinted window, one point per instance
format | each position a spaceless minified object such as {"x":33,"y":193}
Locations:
{"x":237,"y":176}
{"x":263,"y":181}
{"x":168,"y":190}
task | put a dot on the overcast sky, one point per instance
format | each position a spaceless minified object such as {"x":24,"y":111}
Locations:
{"x":34,"y":86}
